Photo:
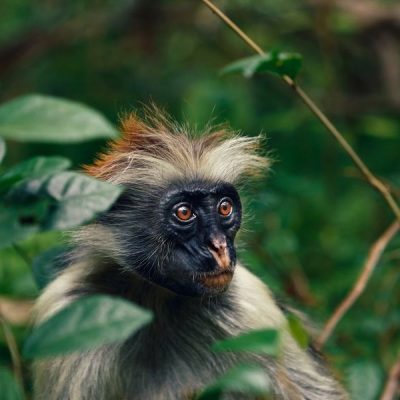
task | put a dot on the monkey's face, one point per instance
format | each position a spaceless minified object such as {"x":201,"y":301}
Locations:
{"x":200,"y":222}
{"x":186,"y":238}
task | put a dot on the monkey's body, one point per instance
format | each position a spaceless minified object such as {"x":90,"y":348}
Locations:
{"x":167,"y":245}
{"x":171,"y":359}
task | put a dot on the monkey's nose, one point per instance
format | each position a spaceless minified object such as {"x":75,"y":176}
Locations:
{"x":219,"y":249}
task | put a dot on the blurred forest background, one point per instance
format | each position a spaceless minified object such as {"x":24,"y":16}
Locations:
{"x":311,"y":223}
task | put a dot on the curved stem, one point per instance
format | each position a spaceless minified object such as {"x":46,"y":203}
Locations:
{"x":393,"y":383}
{"x":372,"y":260}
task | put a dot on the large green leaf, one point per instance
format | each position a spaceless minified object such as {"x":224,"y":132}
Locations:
{"x":279,"y":63}
{"x":86,"y":323}
{"x":77,"y":199}
{"x":365,"y":380}
{"x":33,"y":168}
{"x":74,"y":198}
{"x":38,"y":118}
{"x":2,"y":149}
{"x":61,"y":201}
{"x":261,"y":341}
{"x":9,"y":388}
{"x":245,"y":378}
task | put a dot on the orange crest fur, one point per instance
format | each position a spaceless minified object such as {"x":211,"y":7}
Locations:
{"x":155,"y":150}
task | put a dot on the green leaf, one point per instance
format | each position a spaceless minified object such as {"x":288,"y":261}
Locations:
{"x":46,"y":265}
{"x":298,"y":331}
{"x":33,"y":168}
{"x":2,"y":149}
{"x":264,"y":341}
{"x":86,"y":323}
{"x":61,"y":201}
{"x":38,"y":118}
{"x":245,"y":378}
{"x":365,"y":380}
{"x":9,"y":388}
{"x":77,"y":199}
{"x":279,"y":63}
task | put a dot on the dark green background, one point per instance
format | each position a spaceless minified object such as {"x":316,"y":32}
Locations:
{"x":311,"y":223}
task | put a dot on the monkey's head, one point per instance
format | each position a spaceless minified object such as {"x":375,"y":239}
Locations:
{"x":176,"y":221}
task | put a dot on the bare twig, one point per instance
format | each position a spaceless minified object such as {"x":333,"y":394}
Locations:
{"x":13,"y":348}
{"x":393,"y":383}
{"x":372,"y":260}
{"x":371,"y":178}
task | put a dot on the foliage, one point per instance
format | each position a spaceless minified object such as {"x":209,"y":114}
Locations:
{"x":276,"y":62}
{"x":86,"y":323}
{"x":48,"y":119}
{"x":262,"y":341}
{"x":245,"y":378}
{"x":309,"y":225}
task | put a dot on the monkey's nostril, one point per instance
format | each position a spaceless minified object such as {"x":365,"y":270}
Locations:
{"x":218,"y":244}
{"x":219,"y":249}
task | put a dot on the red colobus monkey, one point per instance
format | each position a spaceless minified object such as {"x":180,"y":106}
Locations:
{"x":168,"y":245}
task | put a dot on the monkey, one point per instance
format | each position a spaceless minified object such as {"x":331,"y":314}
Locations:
{"x":168,"y":244}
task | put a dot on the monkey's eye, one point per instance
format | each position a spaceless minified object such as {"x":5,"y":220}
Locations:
{"x":225,"y":207}
{"x":184,"y":213}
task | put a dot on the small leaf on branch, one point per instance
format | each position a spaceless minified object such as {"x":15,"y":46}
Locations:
{"x":280,"y":63}
{"x":38,"y":118}
{"x":86,"y":323}
{"x":264,"y":341}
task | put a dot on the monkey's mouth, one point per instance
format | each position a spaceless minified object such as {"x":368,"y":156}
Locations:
{"x":217,"y":280}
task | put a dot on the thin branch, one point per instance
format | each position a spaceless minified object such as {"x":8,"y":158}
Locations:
{"x":13,"y":349}
{"x":393,"y":383}
{"x":374,"y":256}
{"x":371,"y":178}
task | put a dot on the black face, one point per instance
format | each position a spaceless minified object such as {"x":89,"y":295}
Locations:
{"x":184,"y":239}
